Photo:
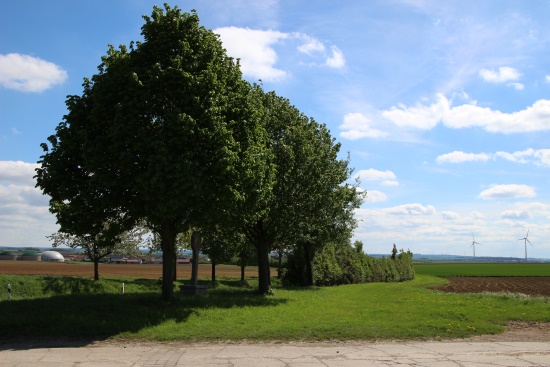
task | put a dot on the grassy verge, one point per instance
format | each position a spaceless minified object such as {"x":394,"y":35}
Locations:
{"x":483,"y":270}
{"x":67,"y":307}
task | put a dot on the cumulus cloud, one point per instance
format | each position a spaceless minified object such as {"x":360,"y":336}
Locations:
{"x":420,"y":116}
{"x":460,"y":157}
{"x":507,"y":192}
{"x":29,"y":74}
{"x":516,"y":86}
{"x":425,"y":117}
{"x":375,"y":196}
{"x":17,"y":172}
{"x":387,"y":177}
{"x":357,"y":125}
{"x":502,"y":75}
{"x":539,"y":157}
{"x":256,"y":50}
{"x":411,"y":209}
{"x":515,"y":214}
{"x":448,"y":215}
{"x":336,"y":60}
{"x":547,"y":79}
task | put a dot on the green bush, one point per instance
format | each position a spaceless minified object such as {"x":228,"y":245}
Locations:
{"x":342,"y":264}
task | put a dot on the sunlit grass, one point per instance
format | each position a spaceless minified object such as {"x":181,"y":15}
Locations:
{"x":375,"y":311}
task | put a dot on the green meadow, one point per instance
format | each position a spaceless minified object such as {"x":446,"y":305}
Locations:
{"x":81,"y":308}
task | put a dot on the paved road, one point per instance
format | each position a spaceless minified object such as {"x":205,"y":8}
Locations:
{"x":432,"y":354}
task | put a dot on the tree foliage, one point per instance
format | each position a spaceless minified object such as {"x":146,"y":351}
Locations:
{"x":163,"y":132}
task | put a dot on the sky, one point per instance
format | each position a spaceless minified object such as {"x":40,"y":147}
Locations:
{"x":443,"y":106}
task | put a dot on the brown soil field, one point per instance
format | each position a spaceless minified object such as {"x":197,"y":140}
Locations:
{"x":151,"y":271}
{"x":533,"y":286}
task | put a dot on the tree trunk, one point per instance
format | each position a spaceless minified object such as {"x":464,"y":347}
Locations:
{"x":213,"y":273}
{"x":263,"y":266}
{"x":280,"y":265}
{"x":96,"y":269}
{"x":243,"y":266}
{"x":309,"y":268}
{"x":175,"y":277}
{"x":196,"y":247}
{"x":168,"y":235}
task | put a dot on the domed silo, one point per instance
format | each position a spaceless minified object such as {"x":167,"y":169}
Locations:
{"x":30,"y":256}
{"x":52,"y":256}
{"x":8,"y":255}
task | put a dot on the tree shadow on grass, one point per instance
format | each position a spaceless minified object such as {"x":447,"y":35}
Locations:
{"x":81,"y":318}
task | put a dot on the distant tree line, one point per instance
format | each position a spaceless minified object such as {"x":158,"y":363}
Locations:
{"x":169,"y":136}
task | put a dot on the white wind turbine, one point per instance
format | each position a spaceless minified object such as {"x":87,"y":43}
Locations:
{"x":525,"y":240}
{"x":474,"y":244}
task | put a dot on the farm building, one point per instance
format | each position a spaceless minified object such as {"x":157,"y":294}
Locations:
{"x":52,"y":256}
{"x":30,"y":256}
{"x":8,"y":255}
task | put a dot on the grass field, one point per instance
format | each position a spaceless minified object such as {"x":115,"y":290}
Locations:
{"x":79,"y":307}
{"x":484,"y":270}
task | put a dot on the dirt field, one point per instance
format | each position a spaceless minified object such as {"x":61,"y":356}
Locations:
{"x":117,"y":270}
{"x":533,"y":286}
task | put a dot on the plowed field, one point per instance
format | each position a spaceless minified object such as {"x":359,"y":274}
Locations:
{"x":116,"y":270}
{"x":533,"y":286}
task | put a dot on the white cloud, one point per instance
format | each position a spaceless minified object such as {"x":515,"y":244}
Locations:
{"x":508,"y":192}
{"x":336,"y":60}
{"x":14,"y":131}
{"x":425,"y":117}
{"x":411,"y":209}
{"x":19,"y":173}
{"x":418,"y":117}
{"x":376,"y":175}
{"x":459,"y":157}
{"x":547,"y":78}
{"x":448,"y":215}
{"x":29,"y":74}
{"x":502,"y":75}
{"x":516,"y":86}
{"x":515,"y":214}
{"x":254,"y":48}
{"x":311,"y":46}
{"x":375,"y":196}
{"x":539,"y":157}
{"x":357,"y":125}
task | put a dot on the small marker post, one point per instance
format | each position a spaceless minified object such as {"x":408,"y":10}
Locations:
{"x":122,"y":288}
{"x":9,"y":291}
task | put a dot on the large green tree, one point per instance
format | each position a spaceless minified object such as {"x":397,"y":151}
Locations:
{"x":309,"y":200}
{"x":165,"y":130}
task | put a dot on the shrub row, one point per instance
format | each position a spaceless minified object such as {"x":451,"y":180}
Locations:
{"x":337,"y":264}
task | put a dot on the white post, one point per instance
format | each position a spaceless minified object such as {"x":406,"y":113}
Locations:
{"x":122,"y":288}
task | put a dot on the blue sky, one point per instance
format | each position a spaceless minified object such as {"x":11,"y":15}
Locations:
{"x":444,"y":106}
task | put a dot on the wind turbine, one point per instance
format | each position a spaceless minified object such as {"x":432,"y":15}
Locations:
{"x":474,"y":244}
{"x":525,"y":240}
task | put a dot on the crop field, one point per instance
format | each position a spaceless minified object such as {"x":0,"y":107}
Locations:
{"x":528,"y":279}
{"x":485,"y":270}
{"x":147,"y":271}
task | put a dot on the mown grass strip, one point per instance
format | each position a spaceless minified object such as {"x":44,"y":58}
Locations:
{"x":373,"y":311}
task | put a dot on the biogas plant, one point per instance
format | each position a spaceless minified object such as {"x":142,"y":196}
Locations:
{"x":52,"y":256}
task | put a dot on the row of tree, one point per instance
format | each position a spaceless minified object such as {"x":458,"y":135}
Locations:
{"x":168,"y":133}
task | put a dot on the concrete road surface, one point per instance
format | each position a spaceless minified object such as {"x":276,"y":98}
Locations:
{"x":431,"y":354}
